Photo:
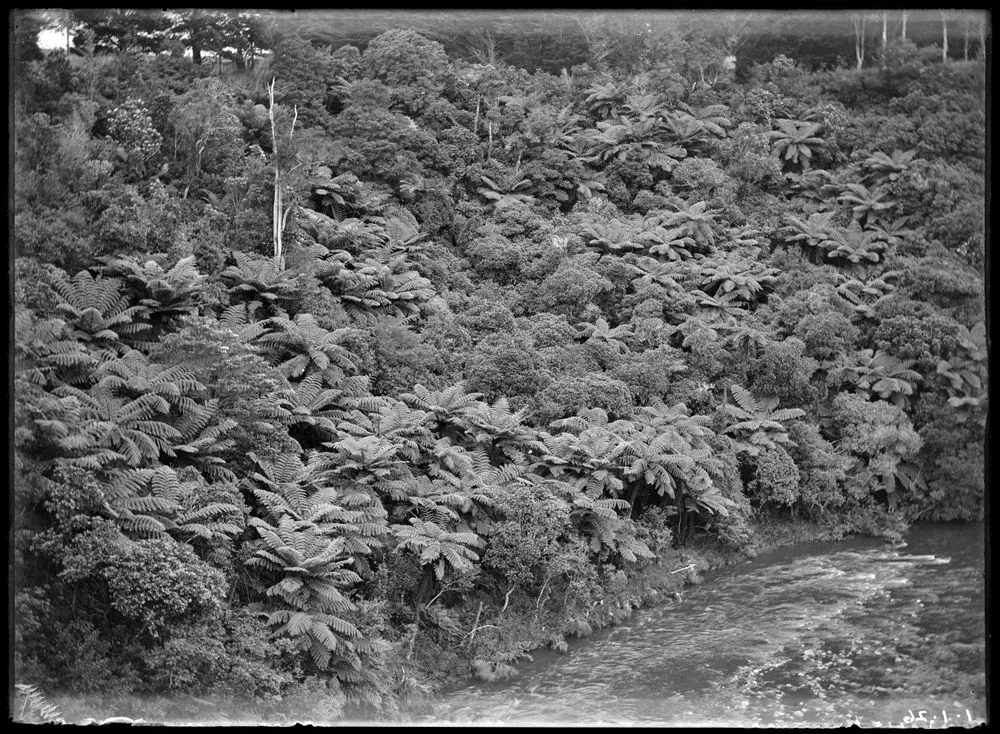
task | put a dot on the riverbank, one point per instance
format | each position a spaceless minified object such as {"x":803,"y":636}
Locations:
{"x":639,"y":587}
{"x":812,"y":634}
{"x":490,"y":639}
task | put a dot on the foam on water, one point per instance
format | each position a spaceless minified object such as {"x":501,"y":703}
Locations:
{"x":815,"y":639}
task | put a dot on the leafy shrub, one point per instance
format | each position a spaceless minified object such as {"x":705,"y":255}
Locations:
{"x":775,"y":477}
{"x":827,"y":334}
{"x":564,"y":397}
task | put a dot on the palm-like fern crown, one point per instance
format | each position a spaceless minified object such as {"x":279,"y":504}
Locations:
{"x":610,"y":236}
{"x":497,"y":426}
{"x":129,"y":428}
{"x":882,"y":166}
{"x":603,"y":99}
{"x":584,"y":419}
{"x":162,"y":292}
{"x":261,"y":284}
{"x":290,"y":488}
{"x":83,"y":291}
{"x":97,"y":310}
{"x":865,"y":202}
{"x":434,"y":501}
{"x":401,"y":227}
{"x":202,"y":439}
{"x":286,"y":485}
{"x":592,"y":461}
{"x":439,"y":547}
{"x":794,"y":141}
{"x":758,"y":419}
{"x":854,"y":244}
{"x":311,"y":402}
{"x":650,"y":271}
{"x":446,"y":404}
{"x":760,"y":407}
{"x":813,"y":231}
{"x":797,"y":132}
{"x":746,"y":277}
{"x":45,"y":352}
{"x":300,"y":346}
{"x":696,"y":221}
{"x":132,"y":375}
{"x":156,"y":502}
{"x":310,"y":576}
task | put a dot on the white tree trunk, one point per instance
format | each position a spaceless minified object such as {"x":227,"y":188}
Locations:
{"x":858,"y":23}
{"x":276,"y":218}
{"x":944,"y":37}
{"x":906,"y":14}
{"x":885,"y":34}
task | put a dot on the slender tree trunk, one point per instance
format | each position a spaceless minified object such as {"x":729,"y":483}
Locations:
{"x":885,"y":34}
{"x":944,"y":37}
{"x":276,"y":201}
{"x":981,"y":52}
{"x":196,"y":52}
{"x":858,"y":22}
{"x":681,"y":537}
{"x":631,"y":500}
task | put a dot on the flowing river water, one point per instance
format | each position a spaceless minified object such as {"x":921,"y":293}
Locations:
{"x":816,"y":635}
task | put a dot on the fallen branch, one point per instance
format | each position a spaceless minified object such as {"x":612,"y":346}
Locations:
{"x":472,"y":633}
{"x":475,"y":625}
{"x":506,"y":599}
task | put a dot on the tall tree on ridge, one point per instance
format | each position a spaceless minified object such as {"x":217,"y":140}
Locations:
{"x":944,"y":36}
{"x":858,"y":21}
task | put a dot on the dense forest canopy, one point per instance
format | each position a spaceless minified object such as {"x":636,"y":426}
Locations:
{"x":544,"y":39}
{"x":355,"y":351}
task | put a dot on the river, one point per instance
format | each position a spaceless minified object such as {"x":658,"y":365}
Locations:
{"x":813,"y":635}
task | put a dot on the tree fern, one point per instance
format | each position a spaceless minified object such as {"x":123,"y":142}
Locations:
{"x":203,"y":442}
{"x":300,"y":347}
{"x":498,"y":429}
{"x":128,"y":427}
{"x":438,"y":548}
{"x":97,"y":312}
{"x":265,"y":289}
{"x":162,"y":293}
{"x":45,"y":352}
{"x":31,"y":707}
{"x":305,"y":577}
{"x":287,"y":487}
{"x":758,"y":421}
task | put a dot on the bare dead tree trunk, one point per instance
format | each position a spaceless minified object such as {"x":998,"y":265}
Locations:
{"x":858,"y":23}
{"x":906,"y":14}
{"x":279,"y":215}
{"x":944,"y":37}
{"x":981,"y":53}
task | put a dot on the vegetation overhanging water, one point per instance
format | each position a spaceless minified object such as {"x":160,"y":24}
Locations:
{"x":816,"y":635}
{"x":352,"y":359}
